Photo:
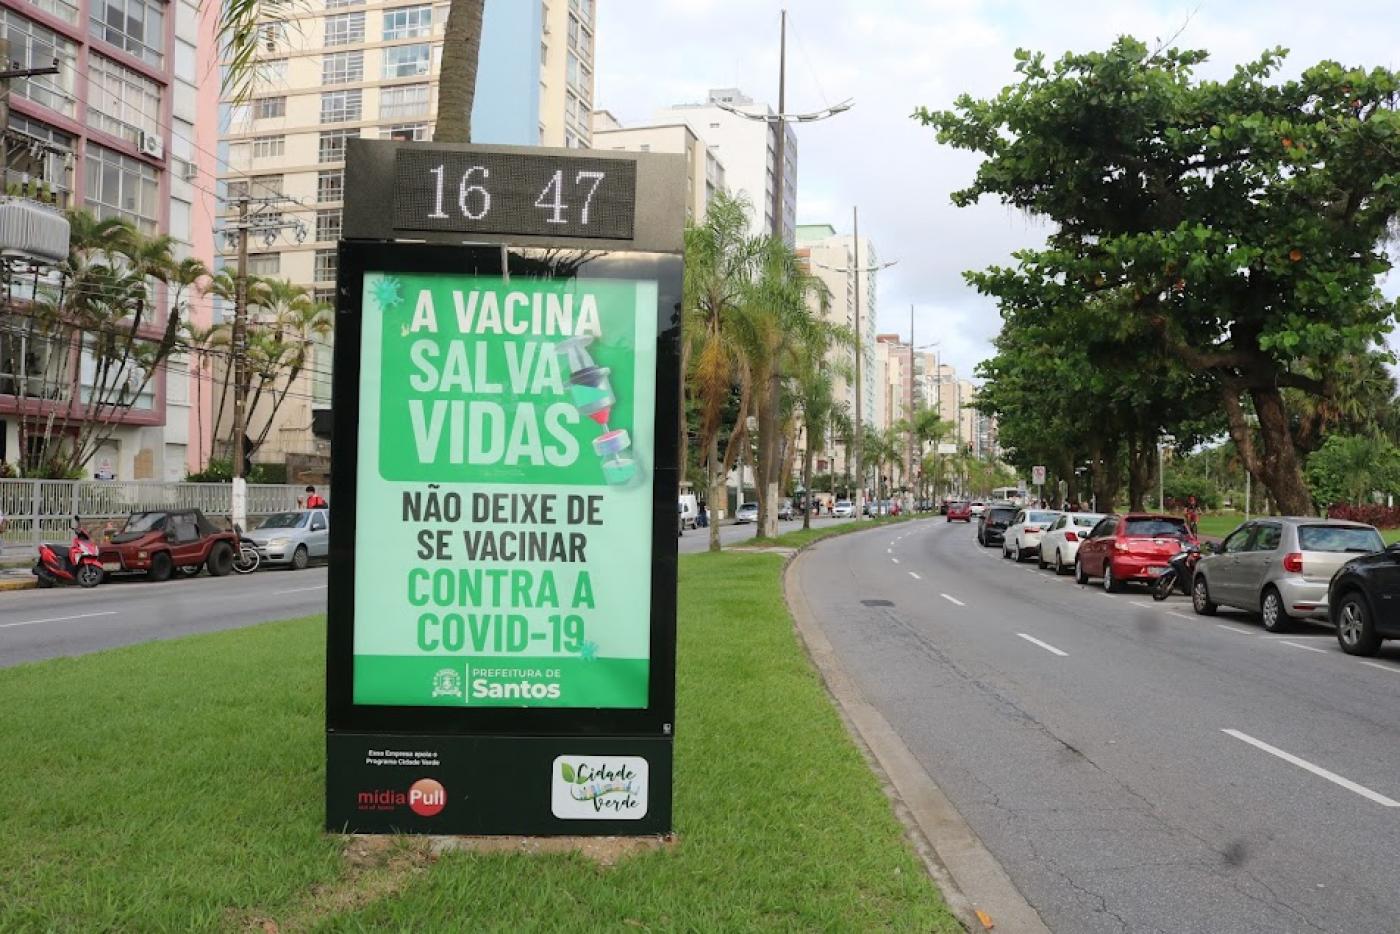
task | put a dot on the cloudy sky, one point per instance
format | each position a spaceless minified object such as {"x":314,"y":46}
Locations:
{"x":894,"y":55}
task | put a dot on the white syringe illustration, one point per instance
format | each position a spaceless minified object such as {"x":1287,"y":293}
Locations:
{"x":592,"y":394}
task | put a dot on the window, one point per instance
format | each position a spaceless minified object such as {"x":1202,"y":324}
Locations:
{"x":325,"y":265}
{"x":328,"y":225}
{"x":1237,"y":540}
{"x":31,"y":45}
{"x":118,"y":186}
{"x":406,"y":61}
{"x":1156,"y":528}
{"x":345,"y":28}
{"x":411,"y":100}
{"x":272,"y":70}
{"x":405,"y":132}
{"x":1268,"y":538}
{"x":324,"y":296}
{"x":408,"y":22}
{"x":339,"y":106}
{"x":264,"y":264}
{"x":333,"y":4}
{"x":1339,"y":538}
{"x":544,"y":53}
{"x":68,"y":12}
{"x":330,"y":186}
{"x":260,"y":186}
{"x":266,"y":107}
{"x":115,"y":382}
{"x":266,"y":147}
{"x":584,"y":8}
{"x":51,"y":164}
{"x":135,"y":26}
{"x":342,"y":67}
{"x":332,"y":146}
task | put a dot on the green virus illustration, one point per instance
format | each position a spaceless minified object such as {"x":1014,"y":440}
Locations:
{"x":387,"y":292}
{"x":589,"y":651}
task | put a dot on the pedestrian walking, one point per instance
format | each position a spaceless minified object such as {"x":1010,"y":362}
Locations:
{"x":315,"y":500}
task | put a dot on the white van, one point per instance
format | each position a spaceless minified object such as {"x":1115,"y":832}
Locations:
{"x":690,"y":509}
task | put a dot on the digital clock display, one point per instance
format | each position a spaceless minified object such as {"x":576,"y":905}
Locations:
{"x":511,"y":193}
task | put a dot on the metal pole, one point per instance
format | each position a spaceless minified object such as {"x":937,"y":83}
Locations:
{"x":240,"y":371}
{"x":860,"y":478}
{"x":780,"y":169}
{"x":1161,"y":482}
{"x":909,"y":470}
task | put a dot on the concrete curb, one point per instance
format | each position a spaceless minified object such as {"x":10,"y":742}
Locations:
{"x":974,"y":884}
{"x":29,"y":584}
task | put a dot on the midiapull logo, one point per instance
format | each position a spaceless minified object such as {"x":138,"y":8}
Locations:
{"x":447,"y":683}
{"x":425,"y":797}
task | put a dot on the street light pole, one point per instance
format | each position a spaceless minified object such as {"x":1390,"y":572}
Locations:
{"x":780,"y":171}
{"x":859,"y":512}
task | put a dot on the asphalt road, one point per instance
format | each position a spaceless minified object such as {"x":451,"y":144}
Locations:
{"x":38,"y":624}
{"x":699,"y":539}
{"x":1134,"y":767}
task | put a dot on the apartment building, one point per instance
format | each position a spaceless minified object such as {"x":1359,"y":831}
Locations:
{"x":704,"y":173}
{"x":749,"y":150}
{"x":346,"y":69}
{"x":116,"y":132}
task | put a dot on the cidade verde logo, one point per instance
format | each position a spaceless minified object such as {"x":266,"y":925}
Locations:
{"x":588,"y":787}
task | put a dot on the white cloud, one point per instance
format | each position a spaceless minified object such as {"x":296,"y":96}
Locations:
{"x":894,"y":55}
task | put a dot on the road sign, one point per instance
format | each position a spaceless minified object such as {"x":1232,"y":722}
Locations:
{"x":1038,"y":475}
{"x":496,"y":665}
{"x":947,"y":447}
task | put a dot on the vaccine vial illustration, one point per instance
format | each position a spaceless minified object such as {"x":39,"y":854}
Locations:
{"x":591,"y":391}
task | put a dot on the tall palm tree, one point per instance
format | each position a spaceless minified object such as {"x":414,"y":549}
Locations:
{"x":784,"y":291}
{"x":719,"y":328}
{"x":461,"y":47}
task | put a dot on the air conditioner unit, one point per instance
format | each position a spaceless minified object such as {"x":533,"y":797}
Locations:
{"x":150,"y":145}
{"x":189,"y":171}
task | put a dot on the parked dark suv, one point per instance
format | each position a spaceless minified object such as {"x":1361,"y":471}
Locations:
{"x":991,"y":527}
{"x":1364,"y":601}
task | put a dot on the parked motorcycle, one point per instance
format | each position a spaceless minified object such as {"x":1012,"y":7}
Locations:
{"x":79,"y":564}
{"x":1180,"y":569}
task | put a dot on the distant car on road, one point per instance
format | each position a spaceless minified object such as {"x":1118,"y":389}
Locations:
{"x":159,"y":541}
{"x":1060,"y":543}
{"x":959,"y":512}
{"x":785,"y":509}
{"x":1022,"y":538}
{"x":991,"y":527}
{"x":978,"y":507}
{"x":1363,"y":601}
{"x":293,"y":538}
{"x":843,"y":509}
{"x":747,"y":512}
{"x":1135,"y":547}
{"x":1279,"y":567}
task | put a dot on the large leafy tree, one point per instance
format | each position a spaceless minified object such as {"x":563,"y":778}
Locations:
{"x":1240,"y":221}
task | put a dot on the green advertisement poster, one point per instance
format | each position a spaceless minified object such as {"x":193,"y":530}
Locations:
{"x":504,"y":502}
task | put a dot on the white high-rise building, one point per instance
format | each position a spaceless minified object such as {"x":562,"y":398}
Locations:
{"x":704,"y":171}
{"x":749,"y":150}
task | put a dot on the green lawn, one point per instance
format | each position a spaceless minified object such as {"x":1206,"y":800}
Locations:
{"x":177,"y":786}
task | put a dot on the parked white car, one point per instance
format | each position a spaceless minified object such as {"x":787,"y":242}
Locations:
{"x":843,"y":509}
{"x":1022,"y":537}
{"x":1060,"y":543}
{"x":747,"y":512}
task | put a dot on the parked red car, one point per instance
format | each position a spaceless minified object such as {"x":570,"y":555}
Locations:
{"x":960,"y":512}
{"x":1132,"y":548}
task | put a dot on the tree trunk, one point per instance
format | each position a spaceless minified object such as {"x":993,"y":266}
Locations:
{"x":1139,"y":474}
{"x":461,"y":46}
{"x":806,"y":499}
{"x":1278,"y":466}
{"x":716,"y":478}
{"x":769,"y":455}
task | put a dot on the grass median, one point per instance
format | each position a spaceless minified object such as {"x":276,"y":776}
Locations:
{"x":178,"y":786}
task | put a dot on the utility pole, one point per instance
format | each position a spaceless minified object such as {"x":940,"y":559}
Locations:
{"x":859,"y":511}
{"x":247,"y":221}
{"x":909,"y":470}
{"x":10,"y":71}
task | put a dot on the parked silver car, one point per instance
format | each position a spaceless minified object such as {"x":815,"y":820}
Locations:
{"x":293,"y":538}
{"x":1280,"y":566}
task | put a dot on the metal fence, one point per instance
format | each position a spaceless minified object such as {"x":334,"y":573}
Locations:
{"x":43,"y":510}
